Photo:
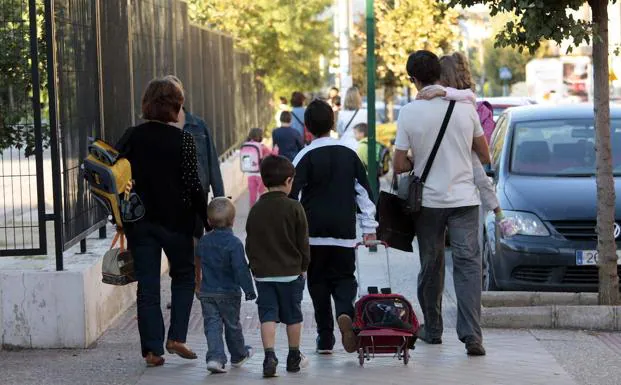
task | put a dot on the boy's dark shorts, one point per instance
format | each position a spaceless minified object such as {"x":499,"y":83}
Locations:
{"x":281,"y":301}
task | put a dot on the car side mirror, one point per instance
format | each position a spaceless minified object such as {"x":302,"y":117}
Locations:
{"x":489,"y":171}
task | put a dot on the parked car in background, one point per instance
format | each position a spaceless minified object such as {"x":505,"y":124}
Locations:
{"x":500,"y":104}
{"x":543,"y":166}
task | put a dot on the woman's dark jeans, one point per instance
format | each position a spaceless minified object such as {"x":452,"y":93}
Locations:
{"x":146,"y":242}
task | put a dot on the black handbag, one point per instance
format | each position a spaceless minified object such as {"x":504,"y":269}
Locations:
{"x":411,"y":190}
{"x":396,"y":227}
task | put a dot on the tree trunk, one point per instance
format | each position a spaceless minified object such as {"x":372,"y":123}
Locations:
{"x":606,"y":246}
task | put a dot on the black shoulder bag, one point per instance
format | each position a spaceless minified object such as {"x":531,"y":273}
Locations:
{"x":411,"y":188}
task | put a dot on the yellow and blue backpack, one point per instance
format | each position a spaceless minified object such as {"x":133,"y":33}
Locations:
{"x":108,"y":175}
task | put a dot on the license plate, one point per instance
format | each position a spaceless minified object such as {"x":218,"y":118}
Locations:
{"x":589,"y":257}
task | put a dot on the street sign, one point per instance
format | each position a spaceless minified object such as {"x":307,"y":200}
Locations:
{"x":504,"y":73}
{"x":612,"y":76}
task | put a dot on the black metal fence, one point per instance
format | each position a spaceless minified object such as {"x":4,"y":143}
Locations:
{"x":22,"y":197}
{"x":103,"y":53}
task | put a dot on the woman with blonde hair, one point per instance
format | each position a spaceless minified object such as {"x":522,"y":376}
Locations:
{"x":351,"y":115}
{"x":164,"y":169}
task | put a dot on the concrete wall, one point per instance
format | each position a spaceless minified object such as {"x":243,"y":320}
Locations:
{"x":235,"y":182}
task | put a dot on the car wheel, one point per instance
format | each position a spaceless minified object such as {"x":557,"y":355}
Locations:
{"x":489,"y":281}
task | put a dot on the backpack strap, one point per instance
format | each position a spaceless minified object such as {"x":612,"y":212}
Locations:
{"x":436,"y":145}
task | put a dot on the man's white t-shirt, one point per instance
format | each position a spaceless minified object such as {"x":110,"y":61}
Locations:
{"x":450,"y":182}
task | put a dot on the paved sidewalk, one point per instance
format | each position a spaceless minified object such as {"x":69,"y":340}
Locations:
{"x":521,"y":357}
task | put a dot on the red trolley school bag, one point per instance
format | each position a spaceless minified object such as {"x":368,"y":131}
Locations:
{"x":250,"y":157}
{"x":385,"y":323}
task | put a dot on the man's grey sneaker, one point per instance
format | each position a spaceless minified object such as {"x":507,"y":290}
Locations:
{"x":249,"y":354}
{"x":422,"y":335}
{"x":269,"y":365}
{"x":475,"y":349}
{"x":325,"y":345}
{"x":350,"y":340}
{"x":216,"y":367}
{"x":296,"y":361}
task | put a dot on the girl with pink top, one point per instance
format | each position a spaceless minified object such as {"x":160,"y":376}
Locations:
{"x":457,"y":84}
{"x":255,"y":184}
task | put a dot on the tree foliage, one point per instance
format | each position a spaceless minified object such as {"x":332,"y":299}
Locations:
{"x":536,"y":21}
{"x":285,"y":39}
{"x":539,"y":20}
{"x":402,"y":27}
{"x":16,"y":120}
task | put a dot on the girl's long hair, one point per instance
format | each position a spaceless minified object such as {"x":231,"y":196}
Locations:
{"x":456,"y":72}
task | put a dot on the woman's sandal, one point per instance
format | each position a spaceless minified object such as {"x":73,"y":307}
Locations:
{"x":180,"y":349}
{"x":152,"y":360}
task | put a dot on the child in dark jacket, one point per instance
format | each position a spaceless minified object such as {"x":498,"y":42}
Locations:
{"x":224,"y":271}
{"x":277,"y":247}
{"x":332,"y":184}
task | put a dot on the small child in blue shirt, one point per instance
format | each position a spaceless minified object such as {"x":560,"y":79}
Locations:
{"x":224,"y":270}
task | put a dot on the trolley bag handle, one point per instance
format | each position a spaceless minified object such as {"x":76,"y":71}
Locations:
{"x":369,"y":244}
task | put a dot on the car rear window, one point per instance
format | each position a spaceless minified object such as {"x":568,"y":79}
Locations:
{"x":560,"y":147}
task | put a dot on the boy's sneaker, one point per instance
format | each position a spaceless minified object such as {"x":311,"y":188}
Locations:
{"x":507,"y":227}
{"x":325,"y":344}
{"x":269,"y":365}
{"x":216,"y":367}
{"x":295,"y":361}
{"x":249,"y":354}
{"x":346,"y":325}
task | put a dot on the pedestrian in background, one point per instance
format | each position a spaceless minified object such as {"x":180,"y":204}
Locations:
{"x":255,"y":185}
{"x":297,"y":113}
{"x":207,"y":162}
{"x":286,"y":139}
{"x":351,"y":115}
{"x":284,"y":106}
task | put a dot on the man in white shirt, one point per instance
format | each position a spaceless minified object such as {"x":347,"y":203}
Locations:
{"x":450,"y":198}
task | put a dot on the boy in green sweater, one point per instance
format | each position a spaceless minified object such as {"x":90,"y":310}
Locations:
{"x":279,"y":254}
{"x":361,"y":132}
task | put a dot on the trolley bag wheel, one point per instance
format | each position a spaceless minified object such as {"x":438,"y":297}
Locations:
{"x":406,"y":356}
{"x":361,"y":356}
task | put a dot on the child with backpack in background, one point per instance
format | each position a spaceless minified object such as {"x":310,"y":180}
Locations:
{"x":253,"y":151}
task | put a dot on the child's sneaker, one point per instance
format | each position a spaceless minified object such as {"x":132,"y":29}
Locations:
{"x":269,"y":364}
{"x":295,"y":361}
{"x":249,"y":354}
{"x":325,"y":345}
{"x":216,"y":367}
{"x":507,"y":227}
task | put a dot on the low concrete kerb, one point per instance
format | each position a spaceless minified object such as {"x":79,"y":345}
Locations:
{"x":518,"y":310}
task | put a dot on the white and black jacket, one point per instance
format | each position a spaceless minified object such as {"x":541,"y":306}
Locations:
{"x":332,"y":183}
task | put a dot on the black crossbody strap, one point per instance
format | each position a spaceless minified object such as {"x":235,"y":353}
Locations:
{"x":436,"y":145}
{"x":350,"y":120}
{"x":296,"y":118}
